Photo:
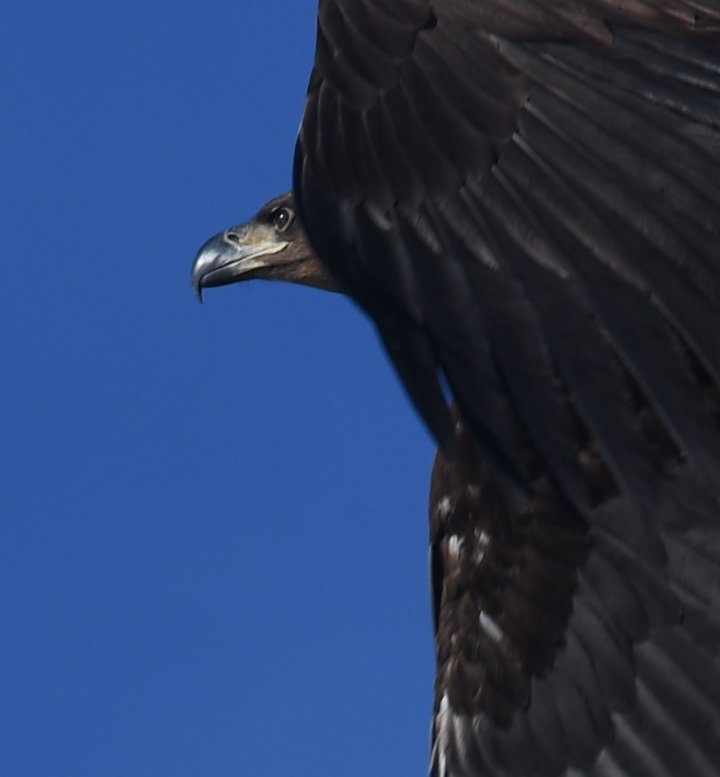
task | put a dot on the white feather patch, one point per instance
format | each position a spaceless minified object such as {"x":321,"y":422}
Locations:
{"x":443,"y":732}
{"x":490,"y":627}
{"x":454,"y":545}
{"x":444,"y":507}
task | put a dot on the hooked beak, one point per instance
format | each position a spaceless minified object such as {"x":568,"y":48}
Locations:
{"x":229,"y":256}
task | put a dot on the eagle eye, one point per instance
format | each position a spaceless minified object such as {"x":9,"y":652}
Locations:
{"x":282,"y":218}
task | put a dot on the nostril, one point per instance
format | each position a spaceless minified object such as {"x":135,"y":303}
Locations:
{"x":233,"y":237}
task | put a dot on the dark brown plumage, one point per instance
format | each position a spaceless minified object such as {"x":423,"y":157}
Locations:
{"x":525,"y":197}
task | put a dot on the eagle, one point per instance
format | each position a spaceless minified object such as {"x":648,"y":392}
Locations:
{"x":524,"y":197}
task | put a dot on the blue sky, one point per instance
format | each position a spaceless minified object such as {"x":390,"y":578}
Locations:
{"x":213,"y":543}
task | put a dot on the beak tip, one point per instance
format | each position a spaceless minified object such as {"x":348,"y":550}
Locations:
{"x":196,"y":283}
{"x":207,"y":260}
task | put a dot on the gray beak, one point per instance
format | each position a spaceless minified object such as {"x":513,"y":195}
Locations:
{"x":232,"y":255}
{"x":215,"y":263}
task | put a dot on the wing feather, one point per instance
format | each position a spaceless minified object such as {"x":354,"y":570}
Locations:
{"x":525,"y":197}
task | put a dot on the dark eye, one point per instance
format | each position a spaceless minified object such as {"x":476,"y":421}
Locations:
{"x":282,"y":218}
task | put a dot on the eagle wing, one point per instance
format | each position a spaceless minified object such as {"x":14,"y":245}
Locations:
{"x":525,"y":197}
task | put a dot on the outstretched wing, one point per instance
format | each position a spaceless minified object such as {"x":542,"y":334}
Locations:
{"x":525,"y":196}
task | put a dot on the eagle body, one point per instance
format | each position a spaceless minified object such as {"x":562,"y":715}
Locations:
{"x":524,"y":196}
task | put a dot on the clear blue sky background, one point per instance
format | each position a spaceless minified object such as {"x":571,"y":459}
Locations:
{"x":213,"y":533}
